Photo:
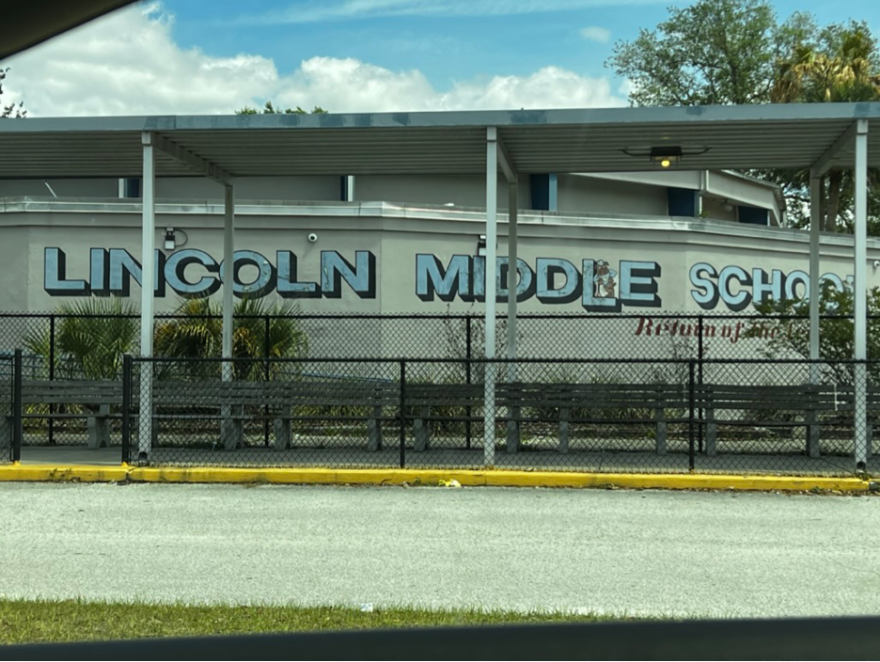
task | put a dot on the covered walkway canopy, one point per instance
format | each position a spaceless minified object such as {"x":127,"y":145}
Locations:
{"x":812,"y":137}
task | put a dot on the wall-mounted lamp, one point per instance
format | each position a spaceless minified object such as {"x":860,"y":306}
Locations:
{"x":481,"y":245}
{"x":171,"y":239}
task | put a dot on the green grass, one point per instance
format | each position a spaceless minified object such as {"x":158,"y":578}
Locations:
{"x":24,"y":621}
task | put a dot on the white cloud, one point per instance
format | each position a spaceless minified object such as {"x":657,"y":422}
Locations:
{"x":330,"y":10}
{"x":129,"y":64}
{"x":595,"y":33}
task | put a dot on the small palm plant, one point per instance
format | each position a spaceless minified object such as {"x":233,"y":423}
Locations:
{"x":91,"y":338}
{"x":196,"y":331}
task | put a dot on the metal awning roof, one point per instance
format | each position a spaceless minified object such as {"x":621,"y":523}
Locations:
{"x":737,"y":137}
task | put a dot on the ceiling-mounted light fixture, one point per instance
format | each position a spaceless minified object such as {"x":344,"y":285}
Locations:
{"x":665,"y":156}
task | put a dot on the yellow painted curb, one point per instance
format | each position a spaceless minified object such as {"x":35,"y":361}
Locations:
{"x":61,"y":474}
{"x":495,"y":477}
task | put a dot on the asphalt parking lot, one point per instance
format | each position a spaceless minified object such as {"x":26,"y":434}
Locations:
{"x":638,"y":552}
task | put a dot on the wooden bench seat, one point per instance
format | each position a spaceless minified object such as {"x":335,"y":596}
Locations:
{"x":597,"y":404}
{"x":541,"y":402}
{"x":420,"y":398}
{"x":754,"y":406}
{"x":98,"y":397}
{"x":281,"y":402}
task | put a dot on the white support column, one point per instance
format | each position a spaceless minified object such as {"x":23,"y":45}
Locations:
{"x":228,"y":277}
{"x":349,"y":188}
{"x":230,"y":427}
{"x":512,"y":277}
{"x":815,"y":222}
{"x":860,"y":294}
{"x":813,"y":441}
{"x":148,"y":276}
{"x":491,"y":295}
{"x":553,"y":193}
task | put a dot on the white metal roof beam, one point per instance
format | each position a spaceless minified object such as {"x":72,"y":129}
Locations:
{"x":183,"y":155}
{"x":822,"y":166}
{"x":504,"y":160}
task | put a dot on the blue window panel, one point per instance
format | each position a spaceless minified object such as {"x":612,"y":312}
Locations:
{"x":754,"y":215}
{"x":683,"y":202}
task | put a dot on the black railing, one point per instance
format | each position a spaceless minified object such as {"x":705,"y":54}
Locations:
{"x":568,"y":414}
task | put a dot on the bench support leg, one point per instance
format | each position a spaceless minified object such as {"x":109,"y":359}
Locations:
{"x":374,"y":430}
{"x":661,"y":433}
{"x":420,"y":432}
{"x":513,"y":430}
{"x":711,"y":433}
{"x":231,"y":432}
{"x":5,"y":433}
{"x":813,"y":434}
{"x":282,"y":433}
{"x":99,"y":428}
{"x":564,"y":415}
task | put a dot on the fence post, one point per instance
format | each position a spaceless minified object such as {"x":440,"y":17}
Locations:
{"x":266,"y":340}
{"x":402,"y":414}
{"x":700,"y":377}
{"x":17,"y":427}
{"x":468,"y":356}
{"x":691,"y":415}
{"x":126,"y":409}
{"x":52,"y":375}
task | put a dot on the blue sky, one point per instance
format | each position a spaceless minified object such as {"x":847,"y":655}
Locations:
{"x":214,"y":56}
{"x":465,"y":40}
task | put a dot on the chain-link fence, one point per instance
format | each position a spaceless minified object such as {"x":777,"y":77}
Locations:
{"x":72,"y":390}
{"x":59,"y":346}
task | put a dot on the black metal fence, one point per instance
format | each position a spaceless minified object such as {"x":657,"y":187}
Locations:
{"x":793,"y":417}
{"x":9,"y":421}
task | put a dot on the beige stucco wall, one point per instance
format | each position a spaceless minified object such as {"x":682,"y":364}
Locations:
{"x":460,"y":190}
{"x":63,"y":188}
{"x":585,"y":195}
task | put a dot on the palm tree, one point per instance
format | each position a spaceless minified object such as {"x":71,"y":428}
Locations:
{"x":196,"y":331}
{"x":844,"y":67}
{"x":91,"y":338}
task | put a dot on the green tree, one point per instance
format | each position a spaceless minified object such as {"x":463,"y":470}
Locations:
{"x":15,"y":110}
{"x":91,"y":338}
{"x":711,"y":52}
{"x":787,"y":330}
{"x":269,"y":109}
{"x":842,"y":65}
{"x":738,"y":52}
